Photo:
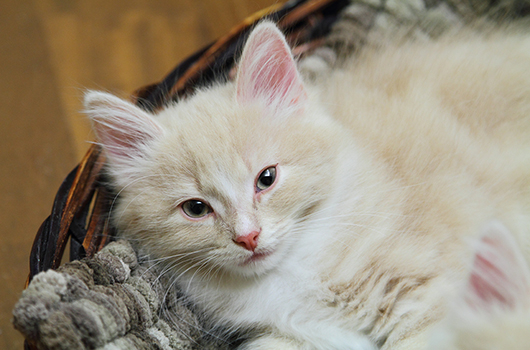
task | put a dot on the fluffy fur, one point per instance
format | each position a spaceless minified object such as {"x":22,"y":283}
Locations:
{"x":385,"y":170}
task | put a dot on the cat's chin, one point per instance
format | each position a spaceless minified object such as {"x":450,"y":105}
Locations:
{"x":259,"y":263}
{"x":256,"y":257}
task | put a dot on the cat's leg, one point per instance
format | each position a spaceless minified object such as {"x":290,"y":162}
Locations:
{"x":272,"y":342}
{"x":416,"y":342}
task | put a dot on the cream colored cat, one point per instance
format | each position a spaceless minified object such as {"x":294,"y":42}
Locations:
{"x":334,"y":214}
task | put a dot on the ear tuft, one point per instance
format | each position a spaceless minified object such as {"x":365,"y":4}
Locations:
{"x":123,"y":129}
{"x":267,"y":71}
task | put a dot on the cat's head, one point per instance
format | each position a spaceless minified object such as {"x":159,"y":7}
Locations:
{"x":492,"y":311}
{"x":227,"y":178}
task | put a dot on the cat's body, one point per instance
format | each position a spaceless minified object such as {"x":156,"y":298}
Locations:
{"x":384,"y":172}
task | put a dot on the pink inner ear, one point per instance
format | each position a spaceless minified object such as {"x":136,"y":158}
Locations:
{"x":499,"y":275}
{"x":487,"y":277}
{"x":122,"y":128}
{"x":120,"y":143}
{"x":267,"y":70}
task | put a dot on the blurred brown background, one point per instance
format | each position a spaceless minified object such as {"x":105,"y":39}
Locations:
{"x":50,"y":51}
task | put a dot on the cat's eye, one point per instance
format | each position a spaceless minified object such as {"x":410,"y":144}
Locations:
{"x":266,"y":178}
{"x":196,"y":209}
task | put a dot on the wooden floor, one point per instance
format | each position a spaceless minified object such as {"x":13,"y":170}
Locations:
{"x":50,"y":51}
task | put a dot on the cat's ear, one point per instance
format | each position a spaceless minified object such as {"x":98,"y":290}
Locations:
{"x":500,"y":277}
{"x":123,"y":130}
{"x":267,"y":71}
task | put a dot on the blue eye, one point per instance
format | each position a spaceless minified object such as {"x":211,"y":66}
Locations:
{"x":196,"y":209}
{"x":266,"y":178}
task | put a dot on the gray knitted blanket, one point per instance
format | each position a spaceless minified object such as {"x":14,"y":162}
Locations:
{"x":108,"y":302}
{"x":114,"y":301}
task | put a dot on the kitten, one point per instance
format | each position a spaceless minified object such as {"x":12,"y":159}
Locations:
{"x":332,"y":214}
{"x":493,"y":309}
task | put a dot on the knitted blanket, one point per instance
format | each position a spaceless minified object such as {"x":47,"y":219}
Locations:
{"x":111,"y":301}
{"x":117,"y":301}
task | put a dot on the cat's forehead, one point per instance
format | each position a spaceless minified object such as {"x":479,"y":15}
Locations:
{"x":212,"y":122}
{"x":213,"y":141}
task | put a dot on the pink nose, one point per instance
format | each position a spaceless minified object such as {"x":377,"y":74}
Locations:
{"x":249,"y":242}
